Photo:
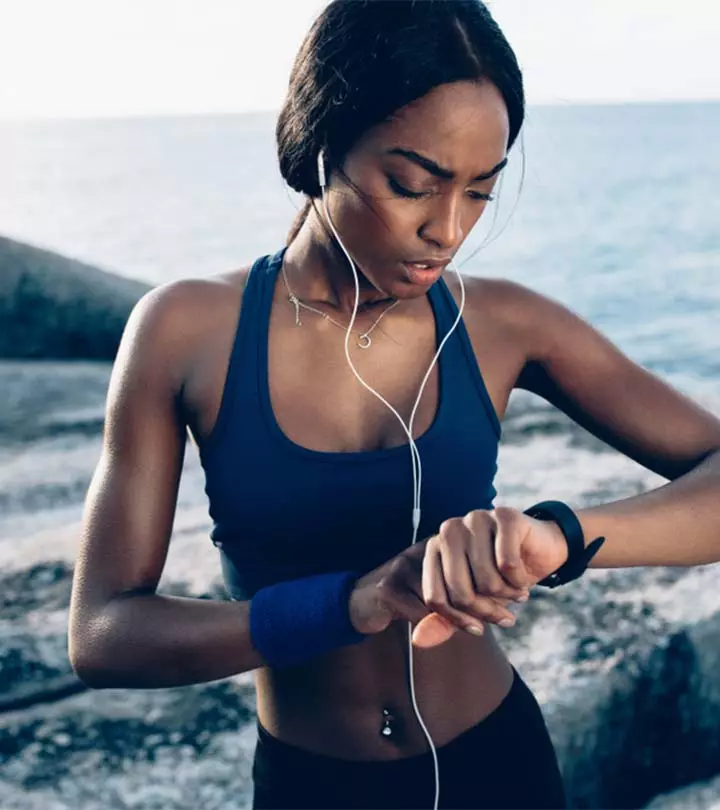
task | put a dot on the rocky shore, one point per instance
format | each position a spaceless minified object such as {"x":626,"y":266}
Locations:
{"x":625,"y":663}
{"x":52,"y":307}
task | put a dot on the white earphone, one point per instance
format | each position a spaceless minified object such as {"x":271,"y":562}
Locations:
{"x":414,"y":453}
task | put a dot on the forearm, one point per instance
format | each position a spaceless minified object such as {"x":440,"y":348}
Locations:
{"x":677,"y":524}
{"x":150,"y":641}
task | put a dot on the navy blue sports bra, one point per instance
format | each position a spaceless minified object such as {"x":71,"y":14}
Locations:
{"x":281,"y":511}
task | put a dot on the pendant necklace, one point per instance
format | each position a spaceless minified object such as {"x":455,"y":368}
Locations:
{"x":364,"y":341}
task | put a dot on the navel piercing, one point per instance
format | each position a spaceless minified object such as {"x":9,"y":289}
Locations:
{"x":387,"y":729}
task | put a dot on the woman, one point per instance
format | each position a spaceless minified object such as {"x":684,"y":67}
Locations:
{"x":412,"y":109}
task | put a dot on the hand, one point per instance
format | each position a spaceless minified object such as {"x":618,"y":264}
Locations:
{"x":475,"y":564}
{"x":393,"y":591}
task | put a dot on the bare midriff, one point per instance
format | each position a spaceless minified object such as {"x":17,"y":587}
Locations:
{"x":338,"y":705}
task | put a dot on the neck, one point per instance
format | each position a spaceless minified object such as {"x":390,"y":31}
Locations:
{"x":319,"y":273}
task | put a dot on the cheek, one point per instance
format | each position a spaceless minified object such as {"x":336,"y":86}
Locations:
{"x":474,"y":214}
{"x":373,"y":222}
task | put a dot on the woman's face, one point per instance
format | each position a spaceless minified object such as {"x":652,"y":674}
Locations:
{"x":418,"y":184}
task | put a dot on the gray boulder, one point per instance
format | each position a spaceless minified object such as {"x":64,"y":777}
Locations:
{"x":52,"y":307}
{"x":703,"y":796}
{"x":626,"y":664}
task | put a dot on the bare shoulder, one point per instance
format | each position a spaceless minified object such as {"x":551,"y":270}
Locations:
{"x":510,"y":309}
{"x":537,"y":324}
{"x":498,"y":297}
{"x":186,"y":304}
{"x":498,"y":316}
{"x":181,"y":320}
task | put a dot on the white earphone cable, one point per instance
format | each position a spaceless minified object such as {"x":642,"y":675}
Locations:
{"x":414,"y":453}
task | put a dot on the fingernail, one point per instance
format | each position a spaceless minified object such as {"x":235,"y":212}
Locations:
{"x":475,"y":629}
{"x":523,"y":598}
{"x":506,"y":622}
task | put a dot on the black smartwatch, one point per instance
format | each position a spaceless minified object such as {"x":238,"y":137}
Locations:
{"x":578,"y":555}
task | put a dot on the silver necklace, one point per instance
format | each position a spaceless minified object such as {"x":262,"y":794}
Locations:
{"x":364,"y":340}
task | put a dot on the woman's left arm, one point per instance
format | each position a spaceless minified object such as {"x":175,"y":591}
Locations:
{"x":574,"y":367}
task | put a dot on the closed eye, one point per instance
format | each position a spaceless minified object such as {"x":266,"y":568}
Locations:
{"x":402,"y":191}
{"x":480,"y":195}
{"x":405,"y":192}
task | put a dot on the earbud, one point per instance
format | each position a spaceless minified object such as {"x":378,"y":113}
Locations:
{"x":321,"y":170}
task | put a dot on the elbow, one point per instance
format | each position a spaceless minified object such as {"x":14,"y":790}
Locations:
{"x":90,"y":651}
{"x":91,"y":676}
{"x":90,"y":667}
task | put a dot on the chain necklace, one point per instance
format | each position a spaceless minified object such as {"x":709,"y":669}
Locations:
{"x":364,"y":340}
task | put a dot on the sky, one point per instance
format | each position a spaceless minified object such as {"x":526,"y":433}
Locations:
{"x":97,"y":58}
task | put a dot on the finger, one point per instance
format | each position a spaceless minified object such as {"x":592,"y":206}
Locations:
{"x":434,"y":592}
{"x":510,"y":534}
{"x":455,"y":567}
{"x":459,"y":600}
{"x":400,"y":592}
{"x":491,"y":611}
{"x":405,"y":596}
{"x":487,"y":578}
{"x":434,"y":629}
{"x":461,"y":588}
{"x":406,"y":606}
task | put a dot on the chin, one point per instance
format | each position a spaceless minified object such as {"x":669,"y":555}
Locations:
{"x":398,"y":284}
{"x":405,"y":290}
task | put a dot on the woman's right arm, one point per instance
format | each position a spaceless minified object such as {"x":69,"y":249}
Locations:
{"x":122,"y":633}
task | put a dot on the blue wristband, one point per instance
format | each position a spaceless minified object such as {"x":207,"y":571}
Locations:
{"x":294,"y":621}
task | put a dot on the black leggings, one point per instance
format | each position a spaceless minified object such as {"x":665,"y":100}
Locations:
{"x":505,"y":761}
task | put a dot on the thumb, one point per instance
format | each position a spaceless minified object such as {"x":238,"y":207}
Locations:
{"x":432,"y":630}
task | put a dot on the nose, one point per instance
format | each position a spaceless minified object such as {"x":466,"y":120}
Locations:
{"x":443,"y":221}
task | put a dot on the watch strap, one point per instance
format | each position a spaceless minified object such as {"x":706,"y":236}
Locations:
{"x":578,"y":556}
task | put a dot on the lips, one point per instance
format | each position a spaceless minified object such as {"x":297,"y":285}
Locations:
{"x":427,"y":264}
{"x":424,"y":273}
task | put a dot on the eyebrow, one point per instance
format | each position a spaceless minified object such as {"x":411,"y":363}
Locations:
{"x":439,"y":171}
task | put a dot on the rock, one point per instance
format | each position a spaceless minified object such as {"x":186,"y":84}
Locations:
{"x":169,"y":749}
{"x":52,"y":307}
{"x":626,"y":666}
{"x":34,"y":666}
{"x":703,"y":796}
{"x":627,"y":670}
{"x":45,"y":586}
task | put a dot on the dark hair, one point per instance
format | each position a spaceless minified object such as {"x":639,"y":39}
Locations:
{"x":364,"y":59}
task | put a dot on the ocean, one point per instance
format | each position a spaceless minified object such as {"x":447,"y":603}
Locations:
{"x":612,"y":210}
